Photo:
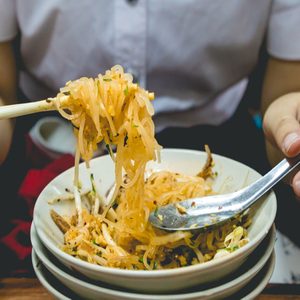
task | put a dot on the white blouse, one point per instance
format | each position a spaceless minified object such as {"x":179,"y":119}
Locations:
{"x":195,"y":55}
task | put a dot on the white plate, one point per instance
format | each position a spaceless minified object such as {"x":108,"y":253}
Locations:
{"x":255,"y":287}
{"x":92,"y":290}
{"x":232,"y":176}
{"x":59,"y":291}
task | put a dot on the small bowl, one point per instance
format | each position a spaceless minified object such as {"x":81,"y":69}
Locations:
{"x":54,"y":136}
{"x":232,"y":176}
{"x":95,"y":290}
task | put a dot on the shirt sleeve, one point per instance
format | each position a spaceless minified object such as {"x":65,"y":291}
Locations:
{"x":8,"y":20}
{"x":283,"y":36}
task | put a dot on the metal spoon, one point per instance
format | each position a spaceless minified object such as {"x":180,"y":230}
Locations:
{"x":206,"y":212}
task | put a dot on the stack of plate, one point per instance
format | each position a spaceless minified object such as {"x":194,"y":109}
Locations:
{"x":241,"y":275}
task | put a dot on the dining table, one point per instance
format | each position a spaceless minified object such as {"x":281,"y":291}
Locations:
{"x":24,"y":288}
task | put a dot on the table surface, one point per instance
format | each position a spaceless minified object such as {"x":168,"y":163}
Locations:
{"x":30,"y":288}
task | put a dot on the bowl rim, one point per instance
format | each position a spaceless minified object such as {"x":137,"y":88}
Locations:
{"x":252,"y":269}
{"x":269,"y":269}
{"x":41,"y":277}
{"x":162,"y":272}
{"x":46,"y":121}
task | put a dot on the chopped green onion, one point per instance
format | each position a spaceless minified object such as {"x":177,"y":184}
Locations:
{"x":79,"y":185}
{"x":126,"y":91}
{"x":92,"y":181}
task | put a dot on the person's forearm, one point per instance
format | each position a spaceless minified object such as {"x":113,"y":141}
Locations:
{"x":282,"y":77}
{"x":8,"y":77}
{"x":8,"y":83}
{"x":6,"y":129}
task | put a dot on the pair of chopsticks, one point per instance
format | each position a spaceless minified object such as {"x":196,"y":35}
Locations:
{"x":22,"y":109}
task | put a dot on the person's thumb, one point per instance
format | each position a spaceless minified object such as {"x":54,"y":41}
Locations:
{"x":281,"y":127}
{"x":281,"y":124}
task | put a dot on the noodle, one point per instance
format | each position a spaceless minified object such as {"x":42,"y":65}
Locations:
{"x":113,"y":109}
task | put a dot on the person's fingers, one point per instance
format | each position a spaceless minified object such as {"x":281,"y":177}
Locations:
{"x":282,"y":128}
{"x":290,"y":144}
{"x":296,"y":185}
{"x":281,"y":124}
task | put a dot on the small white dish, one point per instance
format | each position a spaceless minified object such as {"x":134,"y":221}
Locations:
{"x":59,"y":291}
{"x":232,"y":176}
{"x":93,"y":290}
{"x":54,"y":136}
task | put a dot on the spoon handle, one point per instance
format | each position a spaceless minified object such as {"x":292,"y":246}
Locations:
{"x":265,"y":183}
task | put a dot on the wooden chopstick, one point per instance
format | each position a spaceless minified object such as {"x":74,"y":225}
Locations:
{"x":16,"y":110}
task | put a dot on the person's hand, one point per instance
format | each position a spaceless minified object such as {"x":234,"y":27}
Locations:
{"x":281,"y":125}
{"x":6,"y":134}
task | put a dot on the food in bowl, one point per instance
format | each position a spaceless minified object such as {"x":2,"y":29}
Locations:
{"x":117,"y":233}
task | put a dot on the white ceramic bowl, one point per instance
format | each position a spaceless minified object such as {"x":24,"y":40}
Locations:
{"x":54,"y":287}
{"x":54,"y":136}
{"x":232,"y":176}
{"x":59,"y":291}
{"x":91,"y":290}
{"x":257,"y":285}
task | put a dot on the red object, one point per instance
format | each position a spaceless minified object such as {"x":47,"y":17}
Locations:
{"x":11,"y":240}
{"x":36,"y":157}
{"x":36,"y":180}
{"x":16,"y":242}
